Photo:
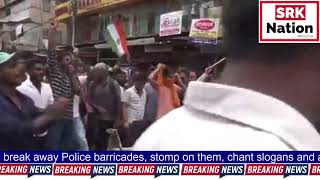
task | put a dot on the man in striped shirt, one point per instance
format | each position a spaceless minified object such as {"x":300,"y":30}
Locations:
{"x":62,"y":135}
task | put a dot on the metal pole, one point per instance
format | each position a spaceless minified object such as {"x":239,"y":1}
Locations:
{"x":98,"y":56}
{"x":41,"y":12}
{"x":73,"y":30}
{"x":74,"y":8}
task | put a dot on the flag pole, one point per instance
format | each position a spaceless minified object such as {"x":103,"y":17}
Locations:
{"x":217,"y":63}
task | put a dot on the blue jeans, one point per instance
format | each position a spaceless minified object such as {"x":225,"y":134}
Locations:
{"x":62,"y":136}
{"x":81,"y":134}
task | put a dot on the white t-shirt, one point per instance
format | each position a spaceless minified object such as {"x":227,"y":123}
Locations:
{"x":136,"y":104}
{"x":221,"y":117}
{"x":76,"y":99}
{"x":41,"y":99}
{"x":82,"y":79}
{"x":121,"y":93}
{"x":76,"y":104}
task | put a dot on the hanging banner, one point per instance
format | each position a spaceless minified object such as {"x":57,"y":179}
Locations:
{"x":171,"y":24}
{"x":205,"y":28}
{"x":19,"y":30}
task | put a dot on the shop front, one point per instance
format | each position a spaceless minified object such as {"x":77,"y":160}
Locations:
{"x":142,"y":25}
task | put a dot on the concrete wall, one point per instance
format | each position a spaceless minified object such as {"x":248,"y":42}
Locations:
{"x":2,"y":3}
{"x":29,"y":9}
{"x":33,"y":14}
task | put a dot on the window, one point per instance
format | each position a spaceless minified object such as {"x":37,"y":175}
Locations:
{"x":8,"y":12}
{"x":61,"y":1}
{"x":151,"y":23}
{"x":45,"y":33}
{"x":218,"y":2}
{"x":9,"y":1}
{"x":46,"y":5}
{"x":87,"y":29}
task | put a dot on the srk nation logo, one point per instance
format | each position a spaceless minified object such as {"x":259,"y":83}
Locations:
{"x":288,"y":21}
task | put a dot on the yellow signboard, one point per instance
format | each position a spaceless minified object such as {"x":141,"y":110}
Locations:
{"x":110,"y":2}
{"x":62,"y":11}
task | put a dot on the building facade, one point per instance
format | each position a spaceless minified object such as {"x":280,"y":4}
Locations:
{"x":33,"y":15}
{"x":141,"y":19}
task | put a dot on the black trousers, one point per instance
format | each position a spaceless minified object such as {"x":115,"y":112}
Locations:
{"x":39,"y":143}
{"x":135,"y":130}
{"x":96,"y":133}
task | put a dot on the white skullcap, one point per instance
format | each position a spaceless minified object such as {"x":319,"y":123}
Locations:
{"x":102,"y":66}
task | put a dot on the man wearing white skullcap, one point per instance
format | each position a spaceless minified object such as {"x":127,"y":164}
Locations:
{"x":104,"y":98}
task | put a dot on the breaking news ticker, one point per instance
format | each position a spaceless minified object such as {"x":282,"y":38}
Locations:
{"x":160,"y":163}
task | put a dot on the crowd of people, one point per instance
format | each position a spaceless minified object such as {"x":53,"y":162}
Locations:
{"x":61,"y":104}
{"x":265,"y":99}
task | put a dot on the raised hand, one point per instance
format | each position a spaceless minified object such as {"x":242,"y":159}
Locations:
{"x":53,"y":25}
{"x":58,"y":108}
{"x":209,"y":70}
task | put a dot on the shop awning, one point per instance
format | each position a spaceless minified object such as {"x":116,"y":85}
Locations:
{"x":135,"y":42}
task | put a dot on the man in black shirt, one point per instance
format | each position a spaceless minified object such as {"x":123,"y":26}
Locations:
{"x":19,"y":120}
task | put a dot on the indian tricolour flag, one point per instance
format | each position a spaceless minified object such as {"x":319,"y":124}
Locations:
{"x":115,"y":35}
